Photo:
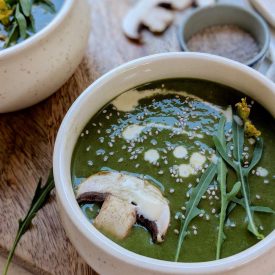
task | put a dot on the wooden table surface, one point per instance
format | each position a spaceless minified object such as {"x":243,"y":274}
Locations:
{"x":27,"y":139}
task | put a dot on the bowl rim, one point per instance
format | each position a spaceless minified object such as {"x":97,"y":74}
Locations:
{"x":44,"y":32}
{"x":251,"y":13}
{"x":78,"y":219}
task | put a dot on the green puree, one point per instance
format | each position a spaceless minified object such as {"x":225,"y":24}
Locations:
{"x":101,"y":146}
{"x":42,"y":17}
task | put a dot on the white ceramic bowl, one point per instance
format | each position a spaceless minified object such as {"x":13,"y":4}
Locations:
{"x":105,"y":256}
{"x":34,"y":69}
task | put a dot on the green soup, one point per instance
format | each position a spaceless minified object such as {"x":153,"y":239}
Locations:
{"x":42,"y":16}
{"x":165,"y":107}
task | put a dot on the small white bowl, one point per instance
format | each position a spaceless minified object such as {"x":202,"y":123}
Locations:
{"x":34,"y":69}
{"x":105,"y":256}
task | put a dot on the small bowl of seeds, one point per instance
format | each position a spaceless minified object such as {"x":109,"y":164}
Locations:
{"x":226,"y":30}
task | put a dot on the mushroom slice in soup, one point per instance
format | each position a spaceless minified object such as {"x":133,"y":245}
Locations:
{"x":116,"y":217}
{"x":152,"y":209}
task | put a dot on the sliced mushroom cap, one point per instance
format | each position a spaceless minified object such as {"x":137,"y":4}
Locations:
{"x":152,"y":208}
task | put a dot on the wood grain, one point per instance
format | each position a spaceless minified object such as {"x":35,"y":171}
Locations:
{"x":27,"y":140}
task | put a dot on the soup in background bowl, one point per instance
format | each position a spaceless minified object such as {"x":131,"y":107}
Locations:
{"x":173,"y":159}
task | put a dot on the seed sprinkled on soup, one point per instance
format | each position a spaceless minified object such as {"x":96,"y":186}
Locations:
{"x":164,"y":170}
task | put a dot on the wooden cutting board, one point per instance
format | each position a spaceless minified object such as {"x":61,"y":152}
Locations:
{"x":27,"y":139}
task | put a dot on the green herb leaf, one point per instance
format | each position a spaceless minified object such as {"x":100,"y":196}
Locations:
{"x":225,"y":198}
{"x":26,"y":6}
{"x":39,"y":200}
{"x":257,"y":155}
{"x":32,"y":23}
{"x":238,"y":140}
{"x":12,"y":36}
{"x":47,"y":4}
{"x":222,"y":152}
{"x":238,"y":137}
{"x":192,"y":209}
{"x":262,"y":209}
{"x":22,"y":23}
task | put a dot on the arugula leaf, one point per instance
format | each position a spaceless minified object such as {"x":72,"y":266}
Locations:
{"x":257,"y":155}
{"x":22,"y":23}
{"x":225,"y":198}
{"x":192,"y":209}
{"x":261,"y":209}
{"x":47,"y":4}
{"x":26,"y":6}
{"x":12,"y":36}
{"x":242,"y":173}
{"x":40,"y":198}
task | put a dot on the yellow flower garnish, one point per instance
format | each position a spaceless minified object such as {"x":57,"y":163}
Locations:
{"x":5,"y":12}
{"x":243,"y":111}
{"x":251,"y":130}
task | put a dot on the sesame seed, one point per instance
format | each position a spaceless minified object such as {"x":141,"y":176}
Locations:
{"x":172,"y":190}
{"x":258,"y":197}
{"x":105,"y":158}
{"x":213,"y":211}
{"x":183,"y":208}
{"x":90,"y":163}
{"x":195,"y":232}
{"x":207,"y":217}
{"x":120,"y":160}
{"x":232,"y":225}
{"x":176,"y":231}
{"x":82,"y":134}
{"x":87,"y":132}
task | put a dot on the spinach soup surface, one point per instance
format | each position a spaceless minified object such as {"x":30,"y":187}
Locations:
{"x":163,"y":132}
